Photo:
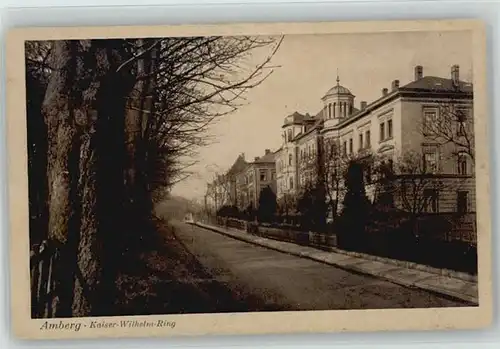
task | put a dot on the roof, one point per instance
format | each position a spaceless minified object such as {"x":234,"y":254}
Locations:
{"x":338,"y":90}
{"x":265,"y":159}
{"x":437,"y":84}
{"x":426,"y":84}
{"x":238,"y":165}
{"x":318,"y":121}
{"x":298,"y":118}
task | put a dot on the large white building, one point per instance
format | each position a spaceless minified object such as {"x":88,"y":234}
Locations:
{"x":388,"y":129}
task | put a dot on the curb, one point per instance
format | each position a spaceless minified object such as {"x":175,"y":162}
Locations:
{"x":400,"y":263}
{"x":354,"y":268}
{"x":411,"y":265}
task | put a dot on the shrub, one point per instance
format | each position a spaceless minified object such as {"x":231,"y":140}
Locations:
{"x":228,"y":211}
{"x":267,"y":205}
{"x":356,"y":209}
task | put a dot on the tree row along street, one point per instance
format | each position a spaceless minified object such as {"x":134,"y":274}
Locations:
{"x":112,"y":126}
{"x":262,"y":279}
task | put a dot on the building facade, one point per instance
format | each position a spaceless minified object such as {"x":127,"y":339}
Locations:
{"x":254,"y":178}
{"x":242,"y":184}
{"x":429,"y":118}
{"x":421,"y":133}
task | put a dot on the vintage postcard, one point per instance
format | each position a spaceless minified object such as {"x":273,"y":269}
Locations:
{"x":248,"y":179}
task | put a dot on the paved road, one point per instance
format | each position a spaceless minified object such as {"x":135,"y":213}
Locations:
{"x":282,"y":281}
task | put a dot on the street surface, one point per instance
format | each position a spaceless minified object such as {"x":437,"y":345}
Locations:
{"x":275,"y":280}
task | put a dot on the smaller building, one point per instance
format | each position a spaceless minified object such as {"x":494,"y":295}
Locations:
{"x":256,"y":176}
{"x":295,"y":126}
{"x":242,"y":184}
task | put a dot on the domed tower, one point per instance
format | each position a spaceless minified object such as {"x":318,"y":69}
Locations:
{"x":338,"y":104}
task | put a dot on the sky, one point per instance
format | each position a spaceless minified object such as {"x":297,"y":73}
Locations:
{"x":307,"y":67}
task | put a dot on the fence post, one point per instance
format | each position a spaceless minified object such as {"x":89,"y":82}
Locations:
{"x":42,"y":262}
{"x":50,"y":286}
{"x":34,"y":282}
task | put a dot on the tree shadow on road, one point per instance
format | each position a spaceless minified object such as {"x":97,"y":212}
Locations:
{"x":163,"y":277}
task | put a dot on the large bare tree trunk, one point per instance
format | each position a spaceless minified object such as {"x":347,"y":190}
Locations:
{"x":102,"y":182}
{"x":61,"y":128}
{"x":85,"y":171}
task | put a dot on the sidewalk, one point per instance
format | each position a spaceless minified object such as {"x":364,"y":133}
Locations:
{"x":436,"y":283}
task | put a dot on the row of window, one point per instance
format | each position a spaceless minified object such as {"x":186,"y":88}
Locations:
{"x":432,"y":121}
{"x":364,"y":142}
{"x":431,"y":203}
{"x":430,"y":200}
{"x":364,"y":139}
{"x":263,"y":175}
{"x":385,"y":130}
{"x":345,"y":109}
{"x":309,"y":151}
{"x":431,"y":162}
{"x":282,"y":184}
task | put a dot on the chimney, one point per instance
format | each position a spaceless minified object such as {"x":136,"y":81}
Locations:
{"x":395,"y":85}
{"x":243,"y":156}
{"x":419,"y":72}
{"x":385,"y":91}
{"x":455,"y":75}
{"x":363,"y":105}
{"x":268,"y":151}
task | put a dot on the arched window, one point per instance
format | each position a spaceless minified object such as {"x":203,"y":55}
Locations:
{"x":290,"y":135}
{"x":290,"y":159}
{"x":462,"y":164}
{"x":291,"y":182}
{"x":330,"y":111}
{"x":350,"y":109}
{"x":334,"y":106}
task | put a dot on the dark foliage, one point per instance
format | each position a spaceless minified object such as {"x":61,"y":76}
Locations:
{"x":313,"y":209}
{"x":228,"y":211}
{"x":112,"y":125}
{"x":250,"y":213}
{"x":356,"y":208}
{"x":37,"y":153}
{"x":267,"y":205}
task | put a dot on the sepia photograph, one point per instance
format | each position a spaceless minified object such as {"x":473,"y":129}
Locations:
{"x":255,"y":172}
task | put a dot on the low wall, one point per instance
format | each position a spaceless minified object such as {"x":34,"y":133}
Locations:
{"x":284,"y":234}
{"x":329,"y":242}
